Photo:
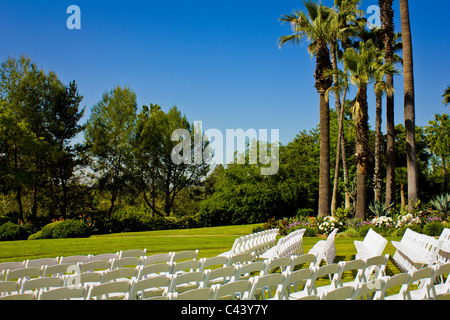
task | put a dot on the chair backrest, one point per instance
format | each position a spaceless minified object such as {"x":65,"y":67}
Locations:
{"x":74,"y":259}
{"x":299,"y":281}
{"x":24,"y":273}
{"x":154,"y":269}
{"x":217,"y":261}
{"x":186,"y":266}
{"x":107,"y":291}
{"x":77,"y":280}
{"x":21,"y":297}
{"x":157,"y":258}
{"x":368,"y":290}
{"x":248,"y":270}
{"x":190,"y":280}
{"x":401,"y":279}
{"x":185,"y":255}
{"x":41,"y":283}
{"x":220,"y":276}
{"x":12,"y":265}
{"x":64,"y":293}
{"x":105,"y":256}
{"x":150,"y":287}
{"x":60,"y":269}
{"x":267,"y":287}
{"x":138,"y":253}
{"x":9,"y":287}
{"x":120,"y":274}
{"x":375,"y":242}
{"x":126,"y":262}
{"x":342,"y":293}
{"x":426,"y":277}
{"x":282,"y":263}
{"x":376,"y":267}
{"x":236,"y":290}
{"x":352,"y":266}
{"x":331,"y":271}
{"x":196,"y":294}
{"x":95,"y":266}
{"x":299,"y":261}
{"x":37,"y":263}
{"x":242,"y":258}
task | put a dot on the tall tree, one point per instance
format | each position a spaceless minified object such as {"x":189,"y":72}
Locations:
{"x":363,"y":65}
{"x":109,"y":135}
{"x":387,"y":23}
{"x":314,"y":25}
{"x":409,"y":107}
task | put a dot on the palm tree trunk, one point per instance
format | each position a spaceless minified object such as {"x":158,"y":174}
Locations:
{"x":387,"y":22}
{"x":340,"y":132}
{"x":323,"y":83}
{"x":409,"y":109}
{"x":377,"y":175}
{"x":362,"y":142}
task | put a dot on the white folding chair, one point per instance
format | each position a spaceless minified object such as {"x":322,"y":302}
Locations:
{"x":242,"y":258}
{"x":23,"y":296}
{"x":104,"y":256}
{"x":35,"y":285}
{"x":269,"y":287}
{"x":186,"y":266}
{"x":440,"y":286}
{"x":236,"y":290}
{"x":99,"y":265}
{"x":425,"y":278}
{"x":110,"y":291}
{"x":401,"y":280}
{"x":272,"y":265}
{"x":251,"y":269}
{"x":24,"y":273}
{"x":64,"y":293}
{"x":328,"y":273}
{"x":220,"y":276}
{"x":152,"y":270}
{"x":12,"y":265}
{"x":356,"y":269}
{"x":368,"y":290}
{"x":59,"y":270}
{"x":342,"y":293}
{"x":9,"y":287}
{"x":375,"y":267}
{"x":187,"y":281}
{"x":150,"y":287}
{"x":299,"y":284}
{"x":84,"y":279}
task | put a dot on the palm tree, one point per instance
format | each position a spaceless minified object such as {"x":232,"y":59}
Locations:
{"x":363,"y":65}
{"x":344,"y":16}
{"x":387,"y":24}
{"x":314,"y":26}
{"x":446,"y":96}
{"x":409,"y":108}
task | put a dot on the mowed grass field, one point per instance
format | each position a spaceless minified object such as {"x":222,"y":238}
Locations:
{"x":209,"y":241}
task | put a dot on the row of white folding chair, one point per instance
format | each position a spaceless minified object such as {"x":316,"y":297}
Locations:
{"x":255,"y":243}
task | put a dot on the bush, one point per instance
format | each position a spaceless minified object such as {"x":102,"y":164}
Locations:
{"x":70,"y":229}
{"x":47,"y":231}
{"x":10,"y":231}
{"x":433,"y":229}
{"x":305,"y":213}
{"x":36,"y":236}
{"x":362,"y":232}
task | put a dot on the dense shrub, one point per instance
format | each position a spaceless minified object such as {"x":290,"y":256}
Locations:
{"x":10,"y":231}
{"x":433,"y":229}
{"x":47,"y":231}
{"x":36,"y":236}
{"x":70,"y":229}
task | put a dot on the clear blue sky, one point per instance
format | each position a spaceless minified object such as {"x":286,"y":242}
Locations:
{"x":217,"y":60}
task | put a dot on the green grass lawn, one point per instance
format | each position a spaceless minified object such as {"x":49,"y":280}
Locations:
{"x":209,"y":241}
